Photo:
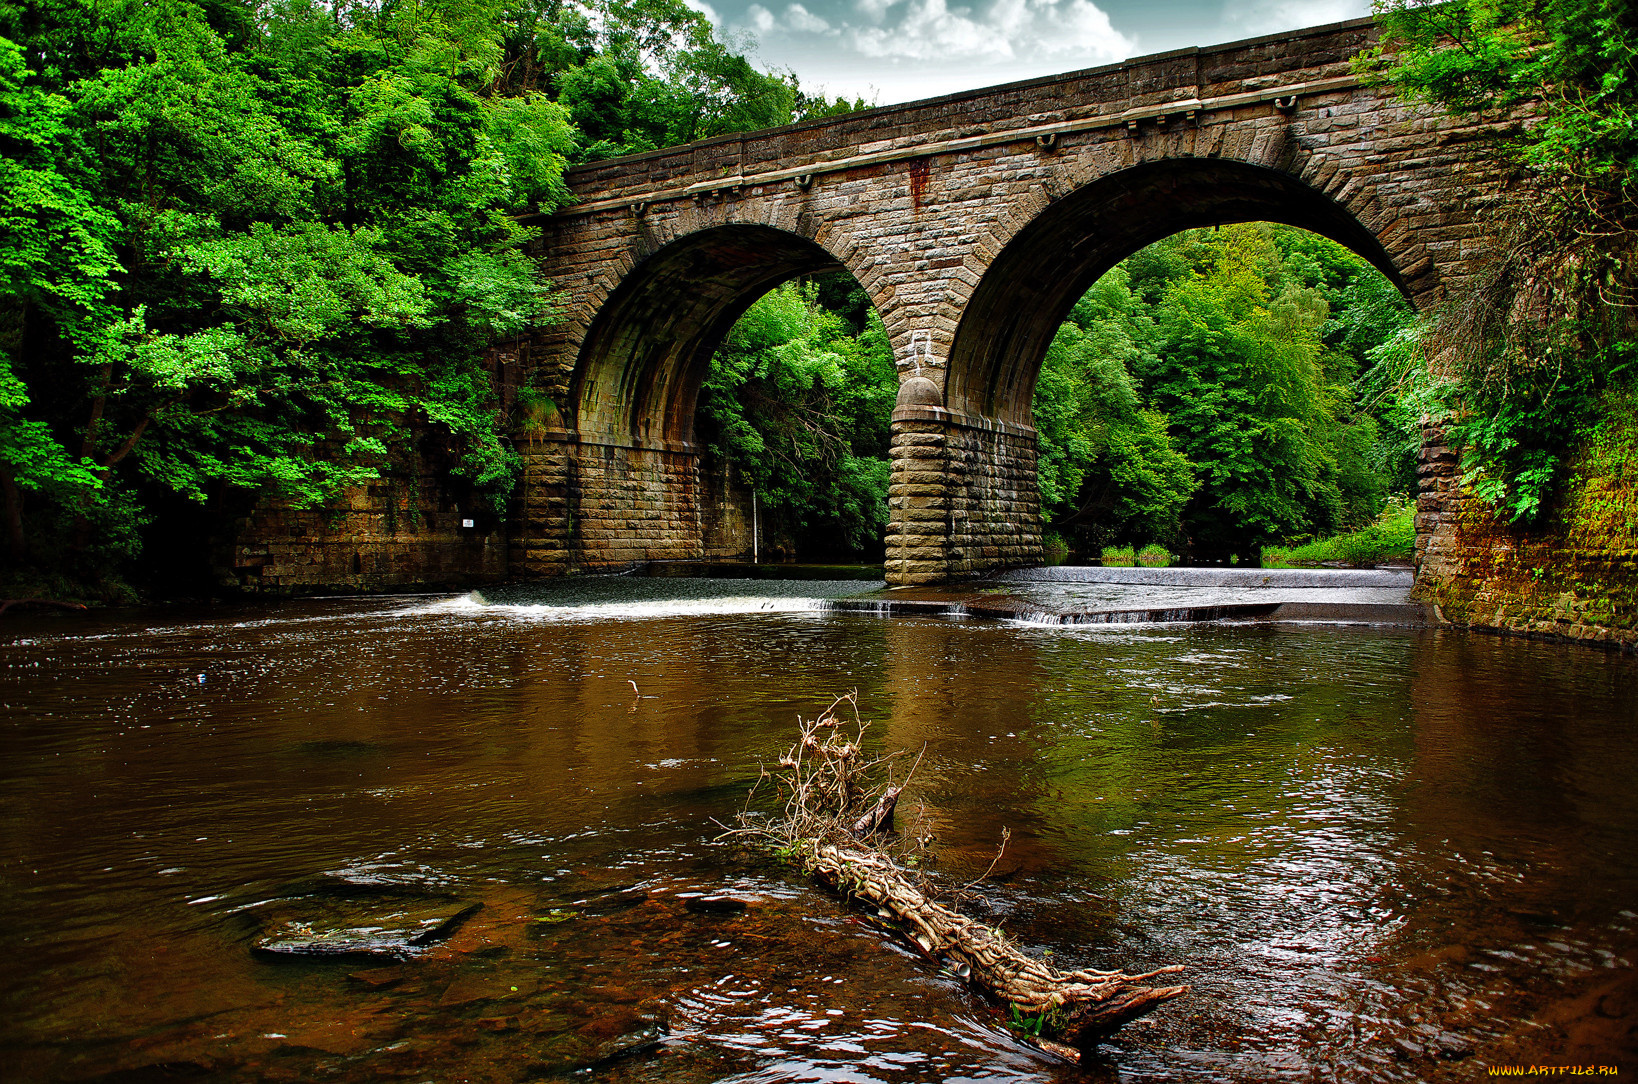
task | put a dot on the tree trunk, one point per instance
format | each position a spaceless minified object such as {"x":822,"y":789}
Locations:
{"x":830,"y":810}
{"x":80,"y":537}
{"x":1078,"y":1007}
{"x":82,"y":525}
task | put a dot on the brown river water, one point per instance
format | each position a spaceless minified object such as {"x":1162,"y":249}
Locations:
{"x":1383,"y":854}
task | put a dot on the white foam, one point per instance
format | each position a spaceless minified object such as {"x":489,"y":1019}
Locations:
{"x":629,"y":610}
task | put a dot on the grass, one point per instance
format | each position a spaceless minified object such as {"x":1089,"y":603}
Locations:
{"x":1151,"y":555}
{"x":1391,"y":538}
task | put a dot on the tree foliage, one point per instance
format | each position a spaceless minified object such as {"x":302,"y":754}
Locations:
{"x":1203,"y":395}
{"x":1523,"y":359}
{"x":636,"y":75}
{"x":1107,"y":464}
{"x":798,"y":403}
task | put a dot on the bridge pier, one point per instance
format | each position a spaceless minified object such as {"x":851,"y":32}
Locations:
{"x":962,"y":499}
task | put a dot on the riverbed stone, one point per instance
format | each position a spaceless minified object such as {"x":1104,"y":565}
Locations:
{"x":1452,"y":1047}
{"x":573,"y":1055}
{"x":715,"y":905}
{"x":378,"y":977}
{"x":474,"y":988}
{"x":353,"y":928}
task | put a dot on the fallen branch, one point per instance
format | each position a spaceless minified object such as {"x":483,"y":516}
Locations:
{"x":834,"y":824}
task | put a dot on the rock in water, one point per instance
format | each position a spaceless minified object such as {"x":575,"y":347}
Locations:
{"x":358,"y":928}
{"x":625,"y":1046}
{"x":585,"y":1060}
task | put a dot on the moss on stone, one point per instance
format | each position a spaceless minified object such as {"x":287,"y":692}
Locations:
{"x":1577,"y":576}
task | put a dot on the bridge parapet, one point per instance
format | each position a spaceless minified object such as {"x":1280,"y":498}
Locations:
{"x":1135,"y":96}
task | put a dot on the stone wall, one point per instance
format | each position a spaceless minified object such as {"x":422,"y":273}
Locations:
{"x":726,"y":510}
{"x":602,"y":506}
{"x":581,"y":507}
{"x":1553,"y":582}
{"x":403,"y":532}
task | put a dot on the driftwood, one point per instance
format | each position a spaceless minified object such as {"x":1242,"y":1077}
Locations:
{"x":879,"y":818}
{"x":834,"y":824}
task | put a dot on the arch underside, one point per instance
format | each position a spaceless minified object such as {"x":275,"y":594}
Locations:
{"x":649,"y":350}
{"x":1029,"y":289}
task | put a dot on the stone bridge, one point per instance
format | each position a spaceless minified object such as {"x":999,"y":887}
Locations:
{"x":974,"y":222}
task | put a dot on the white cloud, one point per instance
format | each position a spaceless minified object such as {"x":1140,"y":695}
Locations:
{"x":800,"y":18}
{"x":899,"y":50}
{"x":874,"y":10}
{"x":1272,"y":16}
{"x":1007,"y":29}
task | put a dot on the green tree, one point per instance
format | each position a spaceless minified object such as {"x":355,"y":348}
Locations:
{"x":296,"y":241}
{"x":1108,"y":469}
{"x":1529,"y":351}
{"x":1207,"y":394}
{"x":798,"y":404}
{"x":55,"y":261}
{"x":1238,"y":373}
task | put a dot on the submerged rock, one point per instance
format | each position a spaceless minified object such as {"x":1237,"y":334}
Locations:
{"x":1406,"y":1049}
{"x":574,"y":1056}
{"x":378,"y":977}
{"x":357,"y":928}
{"x":617,"y":899}
{"x":629,"y":1044}
{"x":1452,"y":1047}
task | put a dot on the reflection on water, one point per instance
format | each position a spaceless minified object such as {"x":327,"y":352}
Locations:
{"x":1381,"y":853}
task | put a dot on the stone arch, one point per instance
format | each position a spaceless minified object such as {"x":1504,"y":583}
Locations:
{"x":964,"y":498}
{"x":617,"y":478}
{"x":647,"y":350}
{"x":1036,"y":276}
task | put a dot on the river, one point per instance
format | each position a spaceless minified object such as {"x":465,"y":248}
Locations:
{"x":1383,"y":854}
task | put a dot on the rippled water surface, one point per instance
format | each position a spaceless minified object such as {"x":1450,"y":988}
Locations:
{"x":1383,"y":854}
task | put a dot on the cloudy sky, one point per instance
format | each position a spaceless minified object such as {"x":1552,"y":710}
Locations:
{"x":900,"y":50}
